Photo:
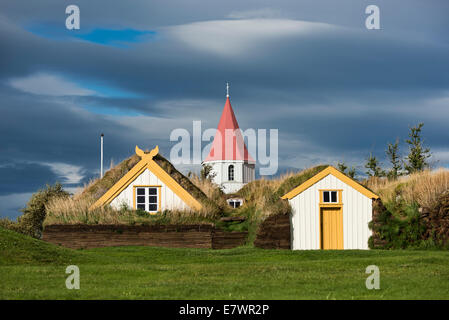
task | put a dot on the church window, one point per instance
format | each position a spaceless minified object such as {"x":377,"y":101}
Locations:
{"x":231,"y":173}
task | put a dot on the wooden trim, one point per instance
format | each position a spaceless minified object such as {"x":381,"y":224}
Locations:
{"x":147,"y":162}
{"x":173,"y":185}
{"x":331,"y":204}
{"x":320,"y":227}
{"x":120,"y":185}
{"x":321,"y":175}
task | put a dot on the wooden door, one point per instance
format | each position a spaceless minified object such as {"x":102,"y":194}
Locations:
{"x":331,"y":228}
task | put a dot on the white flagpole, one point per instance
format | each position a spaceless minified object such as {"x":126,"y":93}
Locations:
{"x":101,"y":161}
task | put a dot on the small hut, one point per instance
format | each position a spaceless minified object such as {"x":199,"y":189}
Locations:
{"x":330,"y":211}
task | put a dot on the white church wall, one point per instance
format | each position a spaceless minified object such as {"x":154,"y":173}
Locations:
{"x":243,"y":173}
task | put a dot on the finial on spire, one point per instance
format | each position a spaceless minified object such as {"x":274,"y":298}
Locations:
{"x":227,"y":89}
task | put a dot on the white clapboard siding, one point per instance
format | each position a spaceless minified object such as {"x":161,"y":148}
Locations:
{"x":357,"y":213}
{"x":169,"y":200}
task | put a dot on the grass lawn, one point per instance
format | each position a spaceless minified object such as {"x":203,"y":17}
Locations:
{"x":32,"y":269}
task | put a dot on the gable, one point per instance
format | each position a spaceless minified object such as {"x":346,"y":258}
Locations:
{"x":167,"y":199}
{"x":147,"y":162}
{"x":321,"y":175}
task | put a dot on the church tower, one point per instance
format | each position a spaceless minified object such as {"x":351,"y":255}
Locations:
{"x":232,"y":165}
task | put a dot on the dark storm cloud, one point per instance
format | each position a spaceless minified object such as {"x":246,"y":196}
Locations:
{"x":333,"y":89}
{"x":311,"y":68}
{"x":35,"y":128}
{"x":335,"y":59}
{"x":21,"y":177}
{"x":415,"y":16}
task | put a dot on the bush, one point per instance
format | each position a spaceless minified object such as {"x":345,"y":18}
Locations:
{"x":31,"y":222}
{"x":398,"y":228}
{"x":416,"y":213}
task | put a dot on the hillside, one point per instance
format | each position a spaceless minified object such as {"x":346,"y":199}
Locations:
{"x":16,"y":248}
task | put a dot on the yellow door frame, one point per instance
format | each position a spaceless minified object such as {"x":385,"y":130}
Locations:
{"x":324,"y":205}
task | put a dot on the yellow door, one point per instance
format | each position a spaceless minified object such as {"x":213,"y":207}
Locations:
{"x":331,"y":228}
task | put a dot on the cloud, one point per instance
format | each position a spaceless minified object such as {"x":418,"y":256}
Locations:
{"x":70,"y":174}
{"x":21,"y":176}
{"x":334,"y":90}
{"x":10,"y":205}
{"x":47,"y":84}
{"x":234,"y":37}
{"x":439,"y":158}
{"x":255,"y":13}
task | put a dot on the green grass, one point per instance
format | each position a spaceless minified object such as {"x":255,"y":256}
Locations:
{"x":32,"y":269}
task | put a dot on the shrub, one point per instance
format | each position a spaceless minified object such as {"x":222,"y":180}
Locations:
{"x":399,"y":226}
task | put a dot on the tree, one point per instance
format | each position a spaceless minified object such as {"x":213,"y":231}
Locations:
{"x":342,"y":167}
{"x":373,"y":166}
{"x":351,"y":172}
{"x":395,"y":160}
{"x":346,"y":170}
{"x":206,"y":172}
{"x":32,"y":219}
{"x":416,"y":160}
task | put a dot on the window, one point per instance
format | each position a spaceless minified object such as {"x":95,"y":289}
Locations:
{"x":231,"y":173}
{"x":330,"y":197}
{"x":147,"y":198}
{"x":235,"y":203}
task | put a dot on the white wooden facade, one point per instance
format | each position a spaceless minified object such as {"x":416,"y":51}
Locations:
{"x":168,"y":199}
{"x":356,"y":210}
{"x":147,"y":186}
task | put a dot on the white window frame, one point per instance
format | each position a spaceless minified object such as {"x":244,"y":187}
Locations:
{"x":147,"y":195}
{"x":330,"y":196}
{"x":234,"y":201}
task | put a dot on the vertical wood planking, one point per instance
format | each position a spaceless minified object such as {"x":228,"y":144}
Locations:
{"x":357,"y":212}
{"x":169,"y":200}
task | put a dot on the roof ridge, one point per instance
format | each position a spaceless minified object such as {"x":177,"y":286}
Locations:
{"x":147,"y":162}
{"x":324,"y":173}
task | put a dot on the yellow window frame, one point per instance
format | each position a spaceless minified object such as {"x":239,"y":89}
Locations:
{"x":331,"y":204}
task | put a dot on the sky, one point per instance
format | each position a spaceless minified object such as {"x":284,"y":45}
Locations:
{"x":137,"y":70}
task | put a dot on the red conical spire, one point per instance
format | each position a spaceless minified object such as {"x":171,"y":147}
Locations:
{"x":228,"y":142}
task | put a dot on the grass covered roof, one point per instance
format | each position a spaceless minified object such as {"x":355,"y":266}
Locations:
{"x":99,"y":186}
